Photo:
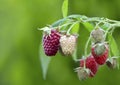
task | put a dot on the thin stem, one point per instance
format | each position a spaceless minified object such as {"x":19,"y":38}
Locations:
{"x":118,"y":63}
{"x":63,"y":25}
{"x":97,"y":24}
{"x":86,"y":46}
{"x":116,"y":24}
{"x":68,"y":32}
{"x":84,"y":62}
{"x":106,"y":32}
{"x":114,"y":21}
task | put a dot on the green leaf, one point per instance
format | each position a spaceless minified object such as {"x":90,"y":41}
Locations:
{"x":75,"y":28}
{"x":45,"y":60}
{"x":113,"y":45}
{"x":65,"y":8}
{"x":88,"y":26}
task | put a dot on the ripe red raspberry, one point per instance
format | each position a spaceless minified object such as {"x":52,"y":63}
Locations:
{"x":67,"y":44}
{"x":100,"y":53}
{"x":51,"y":43}
{"x":90,"y":64}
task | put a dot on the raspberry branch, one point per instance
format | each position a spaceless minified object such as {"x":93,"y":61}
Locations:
{"x":101,"y":38}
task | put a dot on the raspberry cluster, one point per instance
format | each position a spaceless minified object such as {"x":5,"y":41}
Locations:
{"x":53,"y":40}
{"x":98,"y":56}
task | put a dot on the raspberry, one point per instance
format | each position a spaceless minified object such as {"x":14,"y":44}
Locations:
{"x":97,"y":35}
{"x":90,"y":64}
{"x":67,"y":44}
{"x":112,"y":62}
{"x":83,"y":73}
{"x":100,"y":53}
{"x":51,"y":43}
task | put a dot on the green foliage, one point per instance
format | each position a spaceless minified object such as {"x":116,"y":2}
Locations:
{"x":75,"y":28}
{"x":45,"y":60}
{"x":88,"y":26}
{"x":65,"y":8}
{"x":113,"y":46}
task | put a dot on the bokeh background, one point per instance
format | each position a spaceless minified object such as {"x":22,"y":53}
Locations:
{"x":20,"y":40}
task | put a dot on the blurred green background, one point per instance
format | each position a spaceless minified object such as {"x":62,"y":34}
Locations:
{"x":20,"y":39}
